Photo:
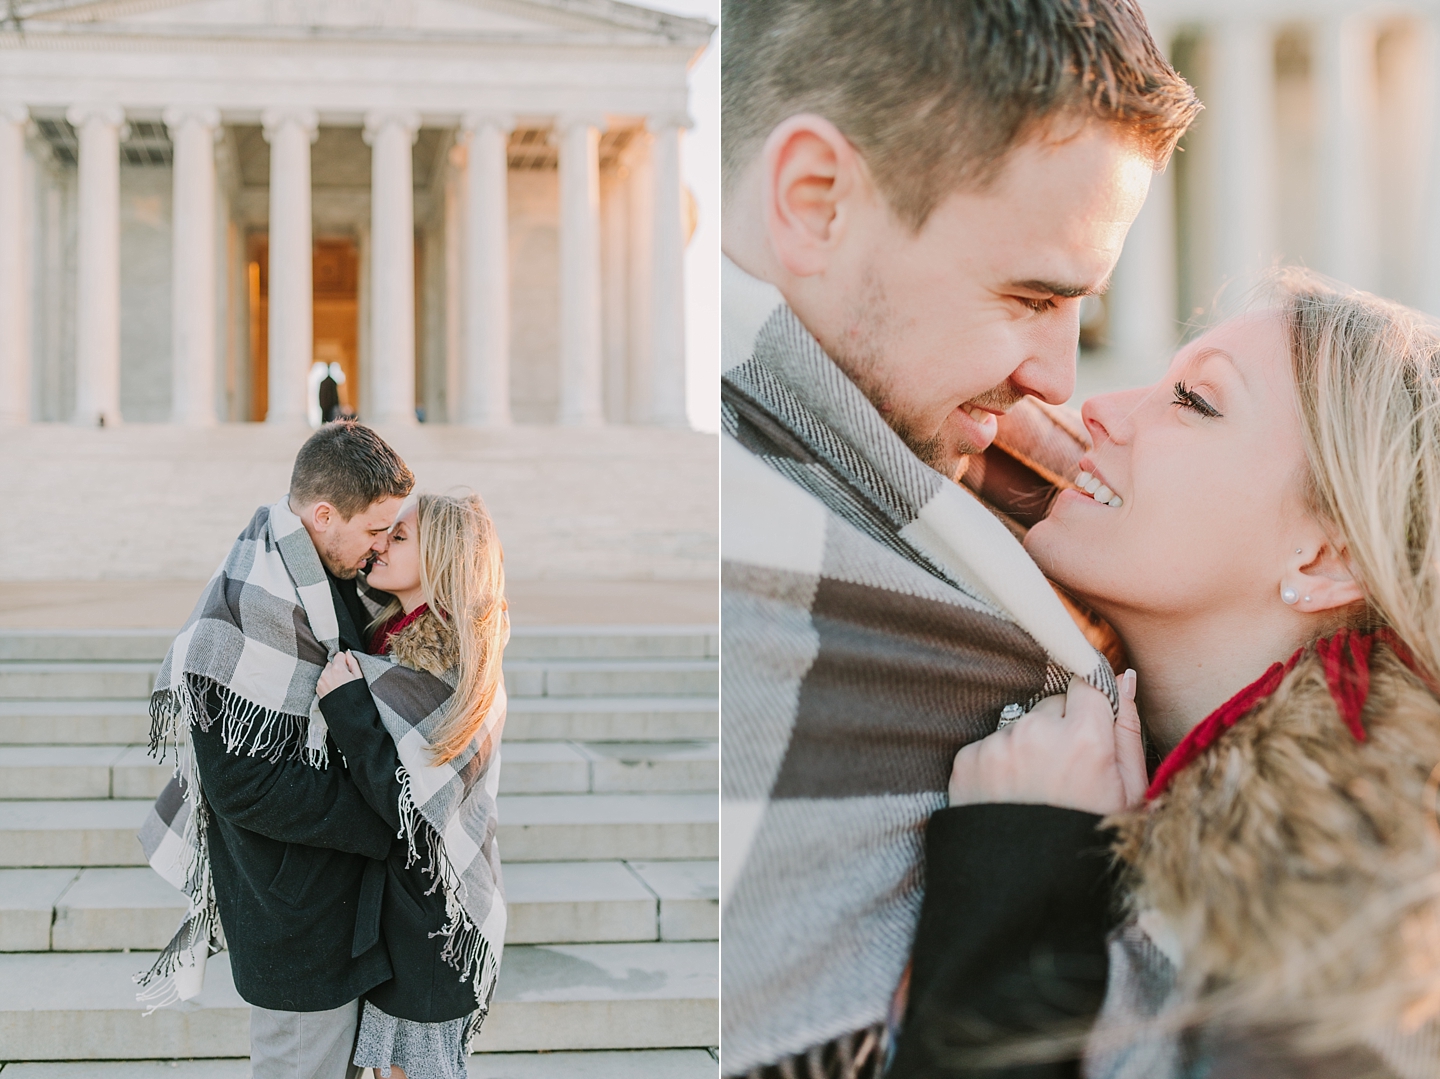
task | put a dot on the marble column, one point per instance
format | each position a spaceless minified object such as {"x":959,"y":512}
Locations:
{"x":193,"y":131}
{"x":97,"y":258}
{"x":1428,"y":268}
{"x":485,"y":377}
{"x":290,"y":131}
{"x":391,"y":133}
{"x":1143,"y":296}
{"x":667,"y":354}
{"x":640,"y":283}
{"x":580,"y":343}
{"x":15,"y":292}
{"x":1242,"y":104}
{"x":1349,"y":216}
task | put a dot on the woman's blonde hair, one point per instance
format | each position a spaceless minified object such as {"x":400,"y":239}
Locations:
{"x":1367,"y":378}
{"x":462,"y":576}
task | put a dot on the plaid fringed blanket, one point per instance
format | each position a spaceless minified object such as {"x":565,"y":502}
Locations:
{"x":256,"y":643}
{"x":876,"y":617}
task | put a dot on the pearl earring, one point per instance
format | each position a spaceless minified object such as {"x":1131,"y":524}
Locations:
{"x":1288,"y":595}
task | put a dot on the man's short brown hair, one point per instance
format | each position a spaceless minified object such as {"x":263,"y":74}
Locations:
{"x":935,"y":93}
{"x":349,"y":466}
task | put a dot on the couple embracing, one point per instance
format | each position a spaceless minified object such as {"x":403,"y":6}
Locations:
{"x":1055,"y":744}
{"x":335,"y":705}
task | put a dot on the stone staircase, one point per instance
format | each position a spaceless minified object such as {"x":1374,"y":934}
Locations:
{"x":608,"y":834}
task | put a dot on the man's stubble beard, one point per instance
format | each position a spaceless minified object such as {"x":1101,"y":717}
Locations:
{"x":327,"y":557}
{"x":860,"y":354}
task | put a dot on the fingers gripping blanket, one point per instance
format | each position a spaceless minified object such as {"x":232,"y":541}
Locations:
{"x":249,"y":659}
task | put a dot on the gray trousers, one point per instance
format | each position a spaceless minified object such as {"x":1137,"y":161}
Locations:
{"x":303,"y":1045}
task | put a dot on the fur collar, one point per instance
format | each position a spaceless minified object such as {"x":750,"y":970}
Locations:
{"x":427,"y":644}
{"x":1299,"y":868}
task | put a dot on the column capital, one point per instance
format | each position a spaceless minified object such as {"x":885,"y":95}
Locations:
{"x":272,"y":120}
{"x":178,"y":116}
{"x":660,"y":121}
{"x":14,"y":112}
{"x":101,"y":112}
{"x":569,"y":121}
{"x":471,"y":122}
{"x":376,"y":120}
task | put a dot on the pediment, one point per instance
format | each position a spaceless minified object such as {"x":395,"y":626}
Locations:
{"x":478,"y":19}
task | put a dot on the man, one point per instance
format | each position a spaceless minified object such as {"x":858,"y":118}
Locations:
{"x":295,"y":853}
{"x":917,"y":197}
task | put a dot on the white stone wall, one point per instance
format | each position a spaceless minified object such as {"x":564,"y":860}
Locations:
{"x":534,"y":296}
{"x":145,"y":254}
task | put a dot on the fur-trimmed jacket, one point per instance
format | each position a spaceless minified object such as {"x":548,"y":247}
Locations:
{"x":1276,"y":911}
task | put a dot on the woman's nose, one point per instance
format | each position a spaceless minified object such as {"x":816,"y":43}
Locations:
{"x":1109,"y":416}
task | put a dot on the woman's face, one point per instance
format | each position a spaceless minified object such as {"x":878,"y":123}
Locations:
{"x":1208,"y":477}
{"x":397,"y":570}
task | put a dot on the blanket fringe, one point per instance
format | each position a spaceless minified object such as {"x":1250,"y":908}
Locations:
{"x":465,"y":947}
{"x":246,"y":727}
{"x":200,"y":929}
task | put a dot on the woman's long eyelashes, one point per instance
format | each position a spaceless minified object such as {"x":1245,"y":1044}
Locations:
{"x":1188,"y":398}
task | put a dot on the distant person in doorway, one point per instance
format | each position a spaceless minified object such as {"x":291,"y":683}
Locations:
{"x":329,"y":398}
{"x":264,"y":828}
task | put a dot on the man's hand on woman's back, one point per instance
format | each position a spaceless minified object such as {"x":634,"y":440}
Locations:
{"x":1067,"y":751}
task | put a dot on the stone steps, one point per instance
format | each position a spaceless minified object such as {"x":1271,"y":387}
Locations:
{"x":533,"y":828}
{"x":529,"y":719}
{"x":603,"y":1064}
{"x":81,"y":1005}
{"x":608,"y":835}
{"x":115,"y":679}
{"x":526,"y":643}
{"x":54,"y":772}
{"x":115,"y":909}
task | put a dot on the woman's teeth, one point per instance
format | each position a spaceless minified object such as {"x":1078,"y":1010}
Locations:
{"x":1097,"y":490}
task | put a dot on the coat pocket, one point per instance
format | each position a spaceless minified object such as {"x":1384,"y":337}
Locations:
{"x":298,"y":870}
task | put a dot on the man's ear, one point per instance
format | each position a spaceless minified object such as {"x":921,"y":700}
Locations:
{"x":811,"y":175}
{"x":1324,"y":578}
{"x":321,"y":514}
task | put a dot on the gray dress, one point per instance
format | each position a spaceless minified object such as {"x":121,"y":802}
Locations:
{"x":424,"y":1050}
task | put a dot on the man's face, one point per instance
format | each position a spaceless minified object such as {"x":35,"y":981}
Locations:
{"x":946,"y":328}
{"x":345,"y":546}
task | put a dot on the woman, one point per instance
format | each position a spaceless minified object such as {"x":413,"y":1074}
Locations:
{"x":444,"y":569}
{"x":1263,"y":532}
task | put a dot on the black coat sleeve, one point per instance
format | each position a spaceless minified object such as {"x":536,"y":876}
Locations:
{"x":1010,"y":949}
{"x":370,"y":752}
{"x":288,"y":801}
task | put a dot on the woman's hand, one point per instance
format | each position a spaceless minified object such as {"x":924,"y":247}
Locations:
{"x":337,"y":672}
{"x":1066,"y":752}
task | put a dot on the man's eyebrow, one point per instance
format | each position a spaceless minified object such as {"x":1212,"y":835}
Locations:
{"x":1056,"y":288}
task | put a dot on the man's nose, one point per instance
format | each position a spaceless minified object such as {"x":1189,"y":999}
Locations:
{"x":381,"y":544}
{"x":1049,"y":372}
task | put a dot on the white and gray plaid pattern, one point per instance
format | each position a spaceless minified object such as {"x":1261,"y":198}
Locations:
{"x":447,"y":814}
{"x":256,"y":643}
{"x":876,"y":617}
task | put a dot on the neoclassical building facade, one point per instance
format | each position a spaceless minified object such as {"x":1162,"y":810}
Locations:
{"x":1319,"y":145}
{"x":473,"y":207}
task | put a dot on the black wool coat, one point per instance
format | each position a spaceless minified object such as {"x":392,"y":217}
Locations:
{"x":297,"y":859}
{"x":425,"y":988}
{"x":1010,"y":947}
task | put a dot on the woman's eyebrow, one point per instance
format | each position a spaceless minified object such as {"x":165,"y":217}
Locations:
{"x":1209,"y":353}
